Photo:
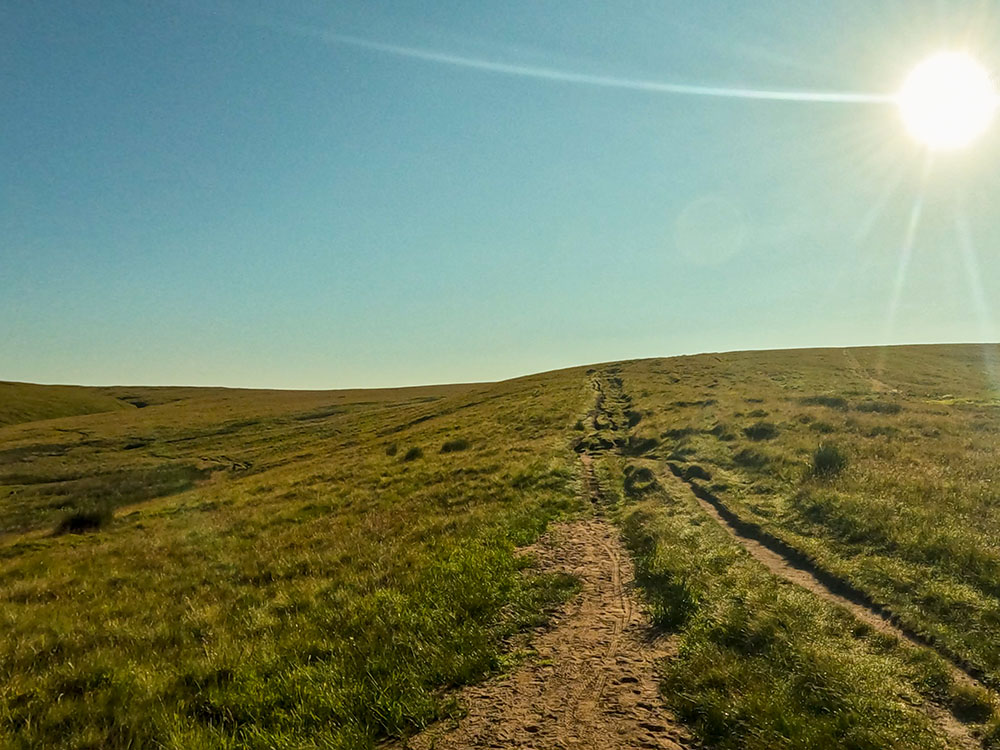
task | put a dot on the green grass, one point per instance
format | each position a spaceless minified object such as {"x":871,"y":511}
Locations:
{"x":762,"y":663}
{"x":906,"y":512}
{"x":828,"y":461}
{"x":318,"y":569}
{"x":306,"y":590}
{"x":765,"y":665}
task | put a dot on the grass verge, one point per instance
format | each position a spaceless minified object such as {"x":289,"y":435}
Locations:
{"x":763,"y":664}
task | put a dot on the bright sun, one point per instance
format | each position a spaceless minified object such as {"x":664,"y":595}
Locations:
{"x":948,"y":100}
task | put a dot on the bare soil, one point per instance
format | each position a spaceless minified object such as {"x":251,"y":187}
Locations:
{"x":592,"y":681}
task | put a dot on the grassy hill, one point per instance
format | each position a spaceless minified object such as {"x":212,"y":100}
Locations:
{"x":27,"y":402}
{"x":233,"y":568}
{"x":266,"y":568}
{"x":908,"y":512}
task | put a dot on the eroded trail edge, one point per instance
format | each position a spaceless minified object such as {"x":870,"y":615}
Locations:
{"x":592,"y":682}
{"x":789,"y":563}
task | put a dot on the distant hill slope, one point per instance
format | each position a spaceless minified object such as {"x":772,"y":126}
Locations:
{"x":28,"y":402}
{"x":212,"y":567}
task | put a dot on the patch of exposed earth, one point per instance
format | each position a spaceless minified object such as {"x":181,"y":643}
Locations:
{"x":592,"y":681}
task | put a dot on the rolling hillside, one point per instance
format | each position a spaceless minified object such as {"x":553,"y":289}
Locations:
{"x":813,"y":532}
{"x":27,"y":402}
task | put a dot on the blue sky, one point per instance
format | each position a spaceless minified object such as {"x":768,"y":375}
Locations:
{"x":199,"y":193}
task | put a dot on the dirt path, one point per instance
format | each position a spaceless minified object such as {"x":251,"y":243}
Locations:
{"x":783,"y":567}
{"x":592,"y":684}
{"x":862,"y":372}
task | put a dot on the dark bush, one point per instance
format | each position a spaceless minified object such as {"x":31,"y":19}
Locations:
{"x":579,"y":425}
{"x":413,"y":453}
{"x":833,"y":402}
{"x":879,"y":407}
{"x":454,"y":445}
{"x":761,"y":431}
{"x":84,"y":520}
{"x":828,"y":460}
{"x":390,"y":449}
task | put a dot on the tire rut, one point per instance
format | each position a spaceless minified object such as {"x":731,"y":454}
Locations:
{"x":788,"y":563}
{"x":792,"y":568}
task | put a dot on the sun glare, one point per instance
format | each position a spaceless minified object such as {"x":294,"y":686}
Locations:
{"x":948,"y":100}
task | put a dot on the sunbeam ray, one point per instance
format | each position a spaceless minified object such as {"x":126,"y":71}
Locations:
{"x":987,"y":331}
{"x":905,"y":253}
{"x":860,"y":261}
{"x":877,"y":208}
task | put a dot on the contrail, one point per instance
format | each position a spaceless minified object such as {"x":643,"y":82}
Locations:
{"x":564,"y":76}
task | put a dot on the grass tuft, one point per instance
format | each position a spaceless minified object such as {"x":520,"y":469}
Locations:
{"x":828,"y":461}
{"x":638,"y":480}
{"x":761,"y":431}
{"x":455,"y":445}
{"x":970,"y":703}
